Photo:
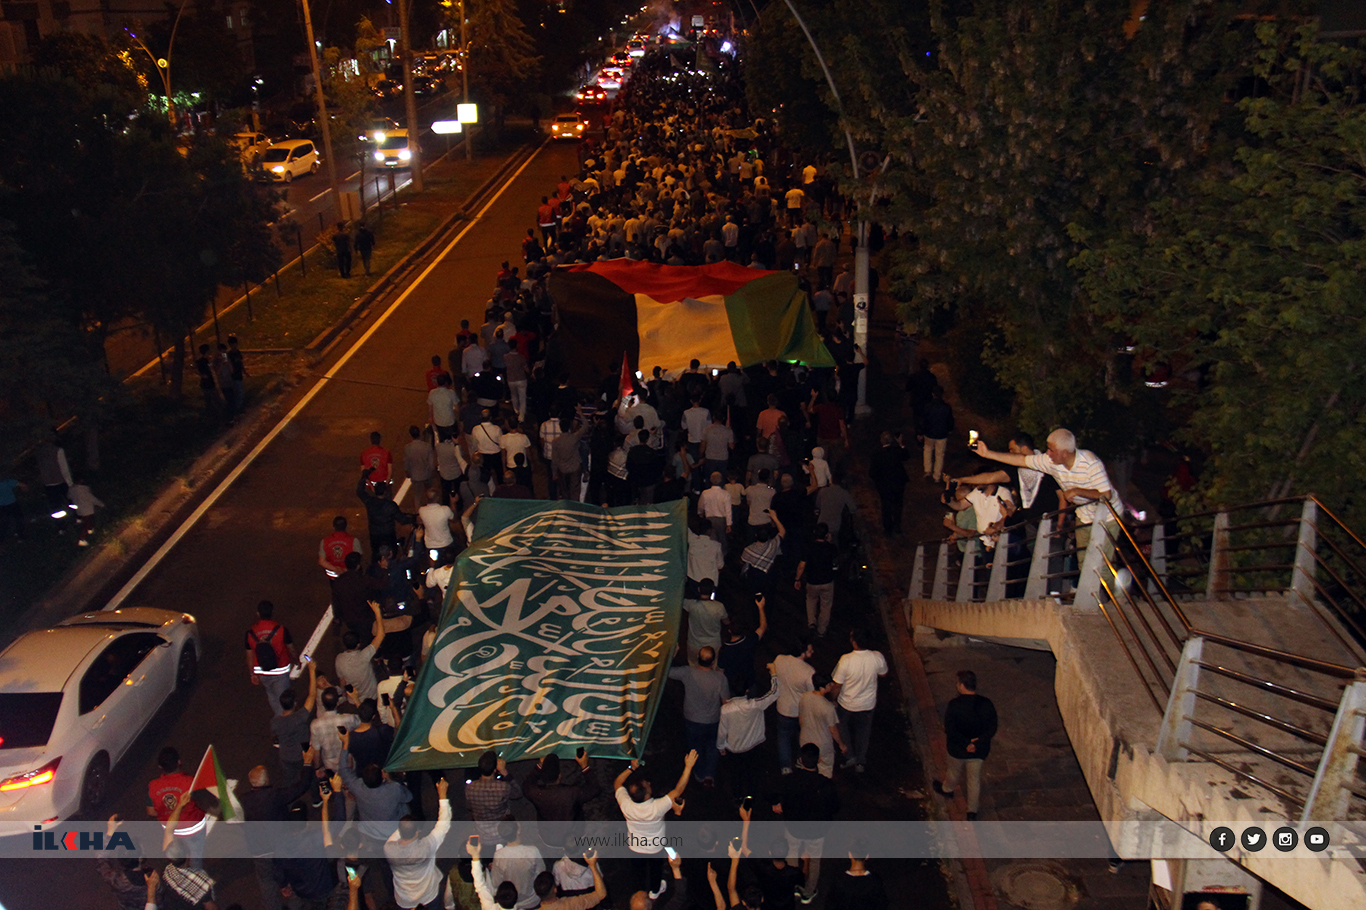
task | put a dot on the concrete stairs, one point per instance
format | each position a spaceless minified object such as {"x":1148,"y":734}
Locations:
{"x":1108,"y":697}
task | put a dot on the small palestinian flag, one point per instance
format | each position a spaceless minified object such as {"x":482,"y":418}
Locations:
{"x":210,"y":777}
{"x":666,"y":316}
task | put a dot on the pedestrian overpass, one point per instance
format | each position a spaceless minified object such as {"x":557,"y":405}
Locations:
{"x":1209,"y":671}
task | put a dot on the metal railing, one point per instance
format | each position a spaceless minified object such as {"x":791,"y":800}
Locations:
{"x":1238,"y":704}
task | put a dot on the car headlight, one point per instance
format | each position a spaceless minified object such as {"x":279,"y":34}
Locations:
{"x":277,"y":168}
{"x":35,"y":778}
{"x":404,"y":155}
{"x":379,"y":156}
{"x":379,"y":135}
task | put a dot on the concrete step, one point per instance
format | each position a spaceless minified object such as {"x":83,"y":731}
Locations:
{"x":1112,"y":707}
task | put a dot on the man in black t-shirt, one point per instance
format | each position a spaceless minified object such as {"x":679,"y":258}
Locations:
{"x":817,"y":570}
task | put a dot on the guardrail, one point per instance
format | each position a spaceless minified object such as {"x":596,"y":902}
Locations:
{"x":1223,"y":699}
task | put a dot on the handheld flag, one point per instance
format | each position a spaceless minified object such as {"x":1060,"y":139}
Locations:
{"x":210,"y":777}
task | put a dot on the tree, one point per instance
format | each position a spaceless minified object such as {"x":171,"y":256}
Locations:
{"x":118,"y":223}
{"x":502,"y":60}
{"x":1256,"y":278}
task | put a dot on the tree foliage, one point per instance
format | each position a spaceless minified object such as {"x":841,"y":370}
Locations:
{"x":1257,"y":278}
{"x":502,"y":56}
{"x":118,"y":225}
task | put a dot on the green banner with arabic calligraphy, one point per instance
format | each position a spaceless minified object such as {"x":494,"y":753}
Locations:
{"x":558,"y":628}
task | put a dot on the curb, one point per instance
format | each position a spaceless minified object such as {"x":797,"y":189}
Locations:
{"x":321,"y":346}
{"x":970,"y":881}
{"x":108,"y":567}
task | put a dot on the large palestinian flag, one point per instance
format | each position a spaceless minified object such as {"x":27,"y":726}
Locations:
{"x":559,"y":625}
{"x":667,"y":315}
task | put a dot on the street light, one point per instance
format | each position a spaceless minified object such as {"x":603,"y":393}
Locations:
{"x":163,"y":64}
{"x":861,"y":251}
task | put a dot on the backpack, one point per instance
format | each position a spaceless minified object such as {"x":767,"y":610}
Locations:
{"x":265,"y":651}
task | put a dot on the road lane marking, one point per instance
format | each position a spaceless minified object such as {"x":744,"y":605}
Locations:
{"x":164,"y":550}
{"x":321,"y":195}
{"x":326,"y":619}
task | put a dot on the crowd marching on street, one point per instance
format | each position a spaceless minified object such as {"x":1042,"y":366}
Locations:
{"x":681,"y":176}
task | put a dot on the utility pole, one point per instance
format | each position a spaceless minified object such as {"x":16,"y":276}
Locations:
{"x":322,"y":113}
{"x":861,"y":301}
{"x":405,"y":50}
{"x":465,"y":80}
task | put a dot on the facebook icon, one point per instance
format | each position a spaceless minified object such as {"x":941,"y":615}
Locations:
{"x":1221,"y":839}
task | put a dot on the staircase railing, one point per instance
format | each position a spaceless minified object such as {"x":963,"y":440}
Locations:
{"x":1241,"y":705}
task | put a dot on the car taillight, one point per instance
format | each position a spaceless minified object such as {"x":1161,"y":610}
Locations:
{"x":34,"y":778}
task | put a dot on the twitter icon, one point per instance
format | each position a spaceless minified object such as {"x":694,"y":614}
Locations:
{"x":1254,"y":839}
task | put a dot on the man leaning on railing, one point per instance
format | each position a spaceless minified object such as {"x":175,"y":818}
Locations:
{"x":1082,"y":477}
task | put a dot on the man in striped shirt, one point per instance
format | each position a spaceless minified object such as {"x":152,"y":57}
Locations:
{"x":1079,"y":473}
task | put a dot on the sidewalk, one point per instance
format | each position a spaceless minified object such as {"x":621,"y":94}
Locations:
{"x":1032,"y":773}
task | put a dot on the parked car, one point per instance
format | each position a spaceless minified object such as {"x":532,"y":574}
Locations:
{"x":249,"y":146}
{"x":74,"y":698}
{"x":567,"y":126}
{"x":393,"y":151}
{"x":286,"y":160}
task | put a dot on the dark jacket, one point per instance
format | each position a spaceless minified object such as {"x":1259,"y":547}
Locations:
{"x":970,"y":717}
{"x":269,"y":804}
{"x":351,"y":592}
{"x":380,"y":511}
{"x":886,"y":469}
{"x":559,"y":804}
{"x":810,"y":803}
{"x":938,"y":420}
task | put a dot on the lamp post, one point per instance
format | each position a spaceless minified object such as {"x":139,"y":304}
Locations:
{"x":163,"y":64}
{"x":861,"y":251}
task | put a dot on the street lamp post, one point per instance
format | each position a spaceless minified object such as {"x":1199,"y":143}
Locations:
{"x":163,"y":64}
{"x":861,"y":301}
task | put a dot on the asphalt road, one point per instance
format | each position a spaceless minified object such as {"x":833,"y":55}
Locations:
{"x":260,"y":539}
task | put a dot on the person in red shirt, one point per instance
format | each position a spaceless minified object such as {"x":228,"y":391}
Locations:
{"x":164,"y":792}
{"x":545,"y":219}
{"x":333,"y":548}
{"x":433,"y":375}
{"x":274,"y":679}
{"x":378,"y":459}
{"x":564,"y":187}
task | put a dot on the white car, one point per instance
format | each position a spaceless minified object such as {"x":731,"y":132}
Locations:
{"x":393,"y":150}
{"x":567,"y":126}
{"x":287,"y":160}
{"x":74,"y":698}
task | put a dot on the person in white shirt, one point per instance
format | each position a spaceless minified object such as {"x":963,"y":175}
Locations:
{"x":715,"y":505}
{"x":518,"y":863}
{"x":412,"y":859}
{"x":820,"y":723}
{"x":741,"y":732}
{"x":794,"y":676}
{"x":644,"y":814}
{"x":705,"y":616}
{"x":487,"y":440}
{"x":513,"y":443}
{"x":855,"y":678}
{"x":1082,"y":477}
{"x":705,"y":559}
{"x":436,"y":517}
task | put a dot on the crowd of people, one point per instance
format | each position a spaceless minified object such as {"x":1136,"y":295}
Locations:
{"x":680,"y":176}
{"x":777,"y":714}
